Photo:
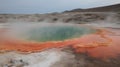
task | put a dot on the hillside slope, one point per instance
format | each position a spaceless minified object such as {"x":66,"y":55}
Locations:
{"x":111,"y":8}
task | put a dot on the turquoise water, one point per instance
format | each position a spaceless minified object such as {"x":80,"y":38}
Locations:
{"x":56,"y":32}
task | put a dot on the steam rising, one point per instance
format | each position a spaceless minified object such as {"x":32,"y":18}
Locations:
{"x":47,"y":31}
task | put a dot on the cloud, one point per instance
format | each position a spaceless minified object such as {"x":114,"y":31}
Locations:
{"x":43,"y":6}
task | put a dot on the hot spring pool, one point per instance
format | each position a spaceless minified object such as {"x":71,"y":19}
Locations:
{"x":35,"y":37}
{"x":55,"y":32}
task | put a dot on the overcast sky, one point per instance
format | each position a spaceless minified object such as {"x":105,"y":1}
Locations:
{"x":47,"y":6}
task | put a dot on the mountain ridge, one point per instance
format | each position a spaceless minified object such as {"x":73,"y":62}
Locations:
{"x":110,"y":8}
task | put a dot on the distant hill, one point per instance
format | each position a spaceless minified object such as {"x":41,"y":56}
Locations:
{"x":110,"y":8}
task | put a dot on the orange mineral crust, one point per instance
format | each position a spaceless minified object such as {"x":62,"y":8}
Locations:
{"x":100,"y":44}
{"x":110,"y":51}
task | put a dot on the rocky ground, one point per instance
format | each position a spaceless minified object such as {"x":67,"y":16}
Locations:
{"x":64,"y":57}
{"x":67,"y":17}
